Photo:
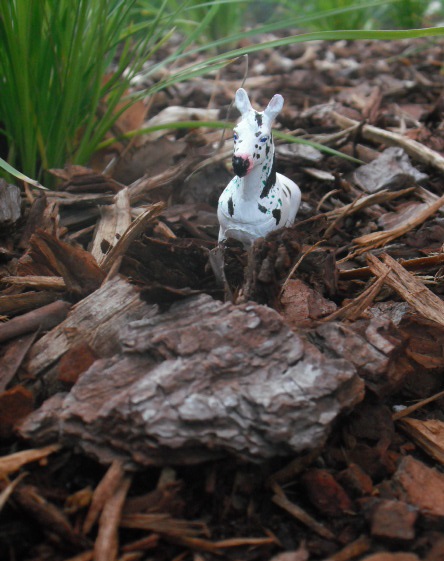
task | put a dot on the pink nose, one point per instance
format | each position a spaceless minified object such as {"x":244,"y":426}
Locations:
{"x":242,"y":164}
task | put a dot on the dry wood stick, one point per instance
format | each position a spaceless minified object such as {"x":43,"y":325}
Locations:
{"x":408,"y":264}
{"x":104,"y":490}
{"x":107,"y":542}
{"x":377,"y":239}
{"x":281,"y":500}
{"x":412,"y":147}
{"x":13,"y":462}
{"x":42,"y":282}
{"x":44,"y":318}
{"x":50,"y":518}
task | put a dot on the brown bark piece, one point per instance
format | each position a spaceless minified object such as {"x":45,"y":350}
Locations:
{"x":202,"y":380}
{"x":355,"y":481}
{"x":78,"y":267}
{"x":97,"y":319}
{"x":77,"y":359}
{"x":325,"y":493}
{"x":44,"y":318}
{"x":374,"y":347}
{"x":420,"y":486}
{"x":15,"y":404}
{"x":12,"y":359}
{"x":301,"y":304}
{"x":394,"y":521}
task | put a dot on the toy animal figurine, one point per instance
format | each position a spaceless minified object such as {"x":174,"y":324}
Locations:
{"x":258,"y":200}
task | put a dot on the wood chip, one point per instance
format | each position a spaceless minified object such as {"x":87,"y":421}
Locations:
{"x":410,"y":288}
{"x":428,"y":434}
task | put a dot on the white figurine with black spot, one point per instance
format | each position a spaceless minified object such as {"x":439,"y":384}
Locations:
{"x":258,"y":200}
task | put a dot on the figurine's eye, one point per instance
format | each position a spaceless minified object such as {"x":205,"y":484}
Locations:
{"x":264,"y":138}
{"x":235,"y":136}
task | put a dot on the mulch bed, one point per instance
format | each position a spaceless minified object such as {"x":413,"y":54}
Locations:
{"x":356,"y":285}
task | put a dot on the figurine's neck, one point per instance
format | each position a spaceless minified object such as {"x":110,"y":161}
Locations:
{"x":257,"y":184}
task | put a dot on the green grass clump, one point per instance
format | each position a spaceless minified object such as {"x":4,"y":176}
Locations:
{"x":57,"y":99}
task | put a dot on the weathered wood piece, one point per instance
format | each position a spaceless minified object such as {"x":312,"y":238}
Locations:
{"x":423,"y":300}
{"x":97,"y":319}
{"x":391,"y":170}
{"x":199,"y":381}
{"x":429,"y":435}
{"x":114,"y":221}
{"x":10,"y":206}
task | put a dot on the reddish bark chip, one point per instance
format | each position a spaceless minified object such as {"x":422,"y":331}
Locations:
{"x":325,"y":493}
{"x":301,"y":304}
{"x":15,"y":404}
{"x":78,"y":359}
{"x":355,"y":481}
{"x":420,"y":486}
{"x":393,"y":520}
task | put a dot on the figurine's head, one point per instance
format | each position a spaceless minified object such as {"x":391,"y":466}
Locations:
{"x":253,"y":141}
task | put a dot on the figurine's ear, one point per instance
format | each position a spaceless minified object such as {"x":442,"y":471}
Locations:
{"x":274,"y":107}
{"x":242,"y":101}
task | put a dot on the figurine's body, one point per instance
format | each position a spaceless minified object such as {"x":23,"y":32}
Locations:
{"x":258,"y":200}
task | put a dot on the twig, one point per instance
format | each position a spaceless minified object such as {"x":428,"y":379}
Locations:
{"x":104,"y":490}
{"x":378,"y":239}
{"x":107,"y":542}
{"x":281,"y":500}
{"x":13,"y":462}
{"x":412,"y":147}
{"x":400,"y":414}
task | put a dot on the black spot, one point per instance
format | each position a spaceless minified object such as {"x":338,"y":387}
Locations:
{"x":258,"y":156}
{"x":258,"y":118}
{"x":267,"y":149}
{"x":257,"y":134}
{"x":271,"y":180}
{"x":105,"y":246}
{"x":261,"y":208}
{"x":255,"y":145}
{"x":240,"y":166}
{"x":277,"y":214}
{"x":230,"y":206}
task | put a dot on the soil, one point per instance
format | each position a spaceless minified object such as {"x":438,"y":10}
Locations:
{"x":359,"y":277}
